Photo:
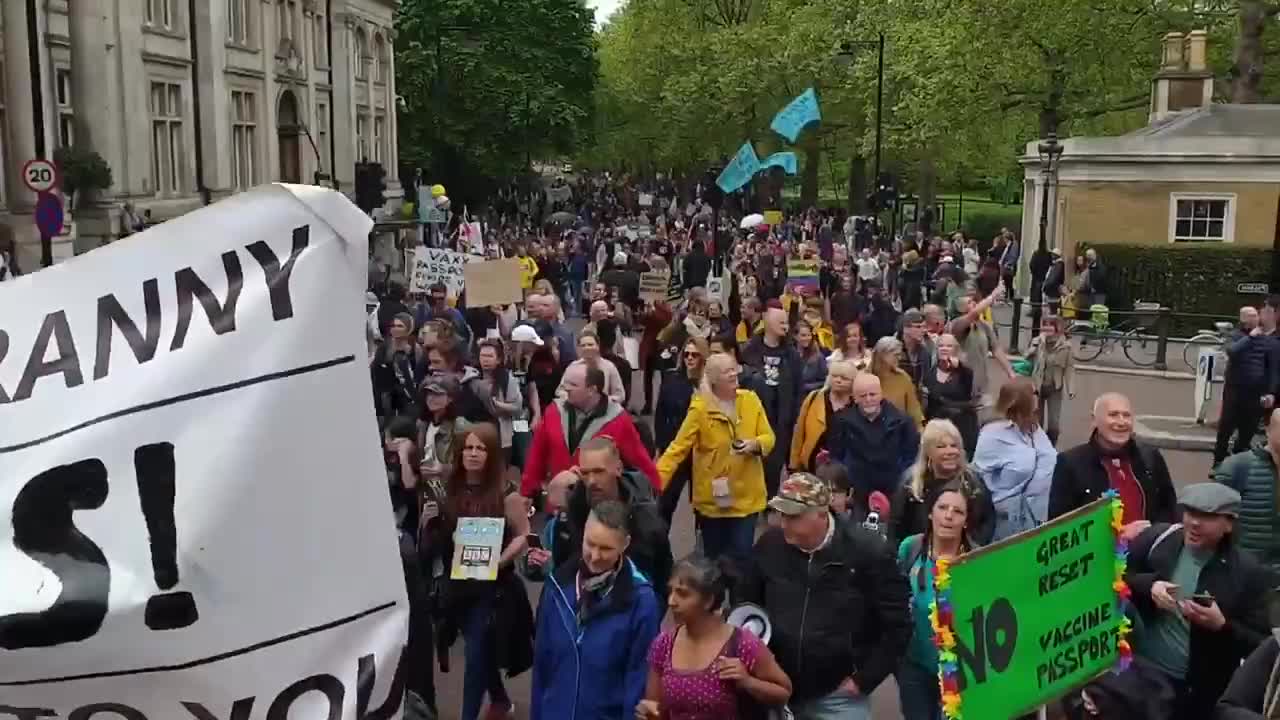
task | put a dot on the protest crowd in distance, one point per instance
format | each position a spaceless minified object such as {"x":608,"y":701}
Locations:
{"x":876,"y":485}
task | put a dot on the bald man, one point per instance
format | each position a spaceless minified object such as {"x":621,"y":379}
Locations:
{"x":775,"y":357}
{"x":1113,"y":459}
{"x":878,"y":442}
{"x":1252,"y":378}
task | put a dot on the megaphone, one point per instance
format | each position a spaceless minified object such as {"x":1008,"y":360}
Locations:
{"x":752,"y":618}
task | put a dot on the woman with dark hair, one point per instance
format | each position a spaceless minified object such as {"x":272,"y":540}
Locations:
{"x":398,"y":369}
{"x":494,"y":616}
{"x":945,"y":536}
{"x":402,"y":457}
{"x":500,"y":390}
{"x":813,"y":375}
{"x":852,"y":346}
{"x":678,"y":388}
{"x":704,"y":668}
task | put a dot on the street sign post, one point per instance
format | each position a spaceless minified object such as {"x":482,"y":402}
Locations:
{"x":40,"y":176}
{"x":49,"y":215}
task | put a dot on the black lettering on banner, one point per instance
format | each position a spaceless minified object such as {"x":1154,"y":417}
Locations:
{"x":157,"y":481}
{"x":328,"y":685}
{"x":43,"y":529}
{"x":995,"y":636}
{"x":20,"y":713}
{"x":240,"y":710}
{"x":111,"y":314}
{"x":54,"y":328}
{"x":367,"y":677}
{"x":4,"y":350}
{"x":222,"y":316}
{"x":89,"y":712}
{"x":278,"y":277}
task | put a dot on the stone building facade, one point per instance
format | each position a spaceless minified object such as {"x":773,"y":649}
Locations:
{"x":190,"y":101}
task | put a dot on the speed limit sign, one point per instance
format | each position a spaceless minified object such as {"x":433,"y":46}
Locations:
{"x":39,"y":175}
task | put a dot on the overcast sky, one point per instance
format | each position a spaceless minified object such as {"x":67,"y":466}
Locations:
{"x":604,"y":8}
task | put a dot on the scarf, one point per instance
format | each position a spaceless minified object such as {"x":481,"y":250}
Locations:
{"x":592,"y":589}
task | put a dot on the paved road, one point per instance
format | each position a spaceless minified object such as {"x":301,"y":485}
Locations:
{"x":1155,"y":396}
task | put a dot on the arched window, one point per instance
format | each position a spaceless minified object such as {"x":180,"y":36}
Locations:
{"x":379,"y":58}
{"x":362,"y":54}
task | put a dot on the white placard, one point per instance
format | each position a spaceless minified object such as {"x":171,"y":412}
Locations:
{"x":190,"y":455}
{"x":428,"y":266}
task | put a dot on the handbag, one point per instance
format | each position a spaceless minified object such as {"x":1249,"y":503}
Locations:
{"x":748,"y":707}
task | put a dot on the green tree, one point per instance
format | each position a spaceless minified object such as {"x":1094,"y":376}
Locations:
{"x":492,"y":84}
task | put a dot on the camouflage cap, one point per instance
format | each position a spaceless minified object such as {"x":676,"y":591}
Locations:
{"x":801,"y":493}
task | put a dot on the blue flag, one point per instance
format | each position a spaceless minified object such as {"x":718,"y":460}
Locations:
{"x":740,"y":169}
{"x":784,"y":160}
{"x":796,"y":115}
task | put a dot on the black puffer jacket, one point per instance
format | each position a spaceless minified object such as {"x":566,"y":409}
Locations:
{"x":1079,"y":478}
{"x":1247,"y":693}
{"x":841,"y":612}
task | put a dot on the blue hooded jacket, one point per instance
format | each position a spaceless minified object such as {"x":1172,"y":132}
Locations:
{"x":595,"y":669}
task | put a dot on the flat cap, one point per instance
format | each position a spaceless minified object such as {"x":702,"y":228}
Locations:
{"x":1210,"y":497}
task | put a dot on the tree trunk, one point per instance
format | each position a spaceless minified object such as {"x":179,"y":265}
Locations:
{"x":1246,"y":80}
{"x":809,"y":180}
{"x":857,"y":200}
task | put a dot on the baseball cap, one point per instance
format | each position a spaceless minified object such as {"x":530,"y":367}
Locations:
{"x":526,"y":333}
{"x":801,"y":493}
{"x":440,"y":385}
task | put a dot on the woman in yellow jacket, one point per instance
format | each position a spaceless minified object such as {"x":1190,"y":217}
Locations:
{"x":728,"y":433}
{"x":895,"y":383}
{"x":810,"y":437}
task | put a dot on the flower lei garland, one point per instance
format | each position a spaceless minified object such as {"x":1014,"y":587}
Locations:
{"x":942,"y":617}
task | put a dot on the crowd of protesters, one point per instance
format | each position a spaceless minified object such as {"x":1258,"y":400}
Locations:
{"x":834,"y":439}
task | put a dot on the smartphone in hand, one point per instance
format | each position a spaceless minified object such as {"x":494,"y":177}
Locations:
{"x":534,"y":541}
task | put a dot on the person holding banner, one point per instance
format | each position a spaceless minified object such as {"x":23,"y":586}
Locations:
{"x":493,"y":616}
{"x":945,"y":537}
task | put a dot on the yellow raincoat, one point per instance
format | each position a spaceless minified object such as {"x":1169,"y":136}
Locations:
{"x":709,"y":434}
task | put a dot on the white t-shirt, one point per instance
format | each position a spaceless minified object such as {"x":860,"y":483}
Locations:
{"x":970,"y":261}
{"x":868,"y":268}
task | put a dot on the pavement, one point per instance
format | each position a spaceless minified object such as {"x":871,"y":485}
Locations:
{"x":1156,"y":396}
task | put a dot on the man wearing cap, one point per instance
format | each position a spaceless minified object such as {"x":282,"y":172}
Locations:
{"x":1201,"y":599}
{"x":837,"y":603}
{"x":919,"y":357}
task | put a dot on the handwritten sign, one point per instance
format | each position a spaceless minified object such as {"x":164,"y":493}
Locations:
{"x":493,"y":282}
{"x":428,"y":266}
{"x":1033,"y":616}
{"x":784,"y":160}
{"x":654,"y":285}
{"x":798,"y":114}
{"x":738,"y":172}
{"x":477,"y":547}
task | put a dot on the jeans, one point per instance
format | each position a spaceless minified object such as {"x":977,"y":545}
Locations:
{"x":732,"y":536}
{"x":481,"y":673}
{"x":918,"y":693}
{"x":836,"y":706}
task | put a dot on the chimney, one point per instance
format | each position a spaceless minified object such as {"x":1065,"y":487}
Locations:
{"x":1184,"y":82}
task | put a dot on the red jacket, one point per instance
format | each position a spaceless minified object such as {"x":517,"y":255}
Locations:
{"x":549,"y":454}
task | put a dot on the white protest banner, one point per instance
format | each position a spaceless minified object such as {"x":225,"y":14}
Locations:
{"x":194,"y":521}
{"x":431,"y":265}
{"x":472,"y":237}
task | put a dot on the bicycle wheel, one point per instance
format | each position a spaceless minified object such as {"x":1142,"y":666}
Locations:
{"x":1089,"y":347}
{"x":1191,"y":350}
{"x":1139,"y":348}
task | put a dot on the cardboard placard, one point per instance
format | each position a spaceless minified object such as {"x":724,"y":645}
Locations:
{"x":772,"y":217}
{"x":653,"y":285}
{"x":493,"y":282}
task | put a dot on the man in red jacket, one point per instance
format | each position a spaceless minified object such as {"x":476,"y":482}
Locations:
{"x":567,"y":424}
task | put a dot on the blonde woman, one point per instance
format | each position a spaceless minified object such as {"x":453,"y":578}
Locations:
{"x":728,"y":433}
{"x":817,"y":413}
{"x":895,"y":383}
{"x":950,"y":392}
{"x":941,"y":460}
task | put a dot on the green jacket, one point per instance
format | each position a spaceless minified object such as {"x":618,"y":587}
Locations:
{"x":1252,"y":473}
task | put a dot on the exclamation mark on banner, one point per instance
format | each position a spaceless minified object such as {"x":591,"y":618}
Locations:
{"x":156,"y":470}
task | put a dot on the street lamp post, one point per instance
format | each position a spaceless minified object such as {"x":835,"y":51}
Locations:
{"x":845,"y":57}
{"x":1050,"y":151}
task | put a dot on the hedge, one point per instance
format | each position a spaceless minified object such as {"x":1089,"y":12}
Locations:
{"x":1197,"y":279}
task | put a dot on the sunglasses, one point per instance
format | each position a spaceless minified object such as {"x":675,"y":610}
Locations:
{"x":693,"y":355}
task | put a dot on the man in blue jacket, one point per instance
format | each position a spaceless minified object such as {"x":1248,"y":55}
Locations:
{"x":596,"y":620}
{"x":878,"y":440}
{"x":1253,"y":373}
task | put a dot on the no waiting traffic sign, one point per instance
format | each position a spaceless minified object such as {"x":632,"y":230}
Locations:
{"x":39,"y":175}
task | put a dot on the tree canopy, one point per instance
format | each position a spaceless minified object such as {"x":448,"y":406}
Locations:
{"x":489,"y":84}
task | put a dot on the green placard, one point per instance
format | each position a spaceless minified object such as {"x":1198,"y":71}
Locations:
{"x":1032,"y":617}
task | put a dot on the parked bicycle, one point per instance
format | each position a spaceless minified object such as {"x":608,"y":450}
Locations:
{"x":1216,"y":338}
{"x":1135,"y":334}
